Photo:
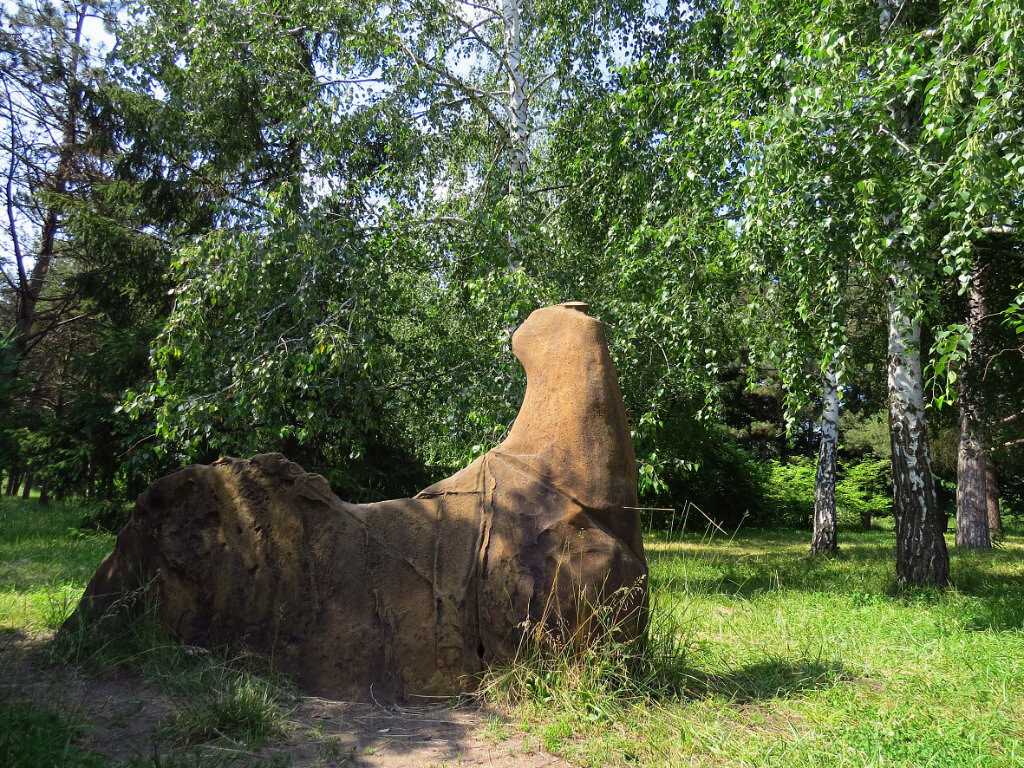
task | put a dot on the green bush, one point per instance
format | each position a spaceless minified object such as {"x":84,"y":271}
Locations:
{"x":724,"y":481}
{"x":789,"y":492}
{"x":863,"y":491}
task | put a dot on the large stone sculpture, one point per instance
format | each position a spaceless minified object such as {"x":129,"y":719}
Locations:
{"x":410,"y":596}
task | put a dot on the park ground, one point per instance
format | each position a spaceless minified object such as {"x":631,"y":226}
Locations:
{"x":760,"y":656}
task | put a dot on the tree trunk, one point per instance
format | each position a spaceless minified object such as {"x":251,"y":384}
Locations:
{"x":972,"y":531}
{"x":27,"y":490}
{"x":13,"y":481}
{"x":44,"y":495}
{"x":29,"y":293}
{"x":995,"y":518}
{"x":106,"y":490}
{"x":865,"y":521}
{"x":824,"y":539}
{"x":518,"y":125}
{"x":87,"y":490}
{"x":512,"y":18}
{"x":30,"y":289}
{"x":921,"y":556}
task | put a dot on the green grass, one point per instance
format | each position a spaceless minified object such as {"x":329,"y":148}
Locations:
{"x":45,"y":563}
{"x":33,"y":736}
{"x":248,"y":714}
{"x":759,"y":656}
{"x":784,"y":660}
{"x":235,"y":700}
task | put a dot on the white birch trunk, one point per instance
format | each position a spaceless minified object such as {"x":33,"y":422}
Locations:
{"x":824,"y":539}
{"x":921,"y":556}
{"x":512,"y":13}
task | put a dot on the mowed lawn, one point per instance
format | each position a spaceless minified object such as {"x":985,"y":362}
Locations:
{"x":794,"y":661}
{"x":786,"y":660}
{"x":801,"y":661}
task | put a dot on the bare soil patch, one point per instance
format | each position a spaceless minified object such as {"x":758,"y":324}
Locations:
{"x":125,"y":720}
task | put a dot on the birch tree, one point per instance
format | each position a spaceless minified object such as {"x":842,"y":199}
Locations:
{"x":413,"y":233}
{"x":824,"y":540}
{"x":921,"y":555}
{"x":868,"y":144}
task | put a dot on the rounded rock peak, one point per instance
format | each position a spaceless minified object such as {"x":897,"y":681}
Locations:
{"x":579,"y":306}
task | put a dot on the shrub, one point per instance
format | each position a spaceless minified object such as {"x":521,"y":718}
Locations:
{"x":789,"y":492}
{"x":864,"y":491}
{"x":724,"y":481}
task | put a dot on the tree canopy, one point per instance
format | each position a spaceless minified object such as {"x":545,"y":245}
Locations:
{"x":248,"y":225}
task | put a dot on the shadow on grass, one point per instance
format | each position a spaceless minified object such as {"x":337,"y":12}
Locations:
{"x":991,"y":600}
{"x":205,"y":709}
{"x":766,"y":680}
{"x":751,"y":565}
{"x":34,"y":735}
{"x":987,"y":591}
{"x":10,"y":635}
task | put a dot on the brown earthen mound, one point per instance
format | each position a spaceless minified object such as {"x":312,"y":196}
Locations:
{"x":408,"y":597}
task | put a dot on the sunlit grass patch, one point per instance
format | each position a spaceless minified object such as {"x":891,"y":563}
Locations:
{"x":248,"y":713}
{"x":45,"y":562}
{"x":799,"y":661}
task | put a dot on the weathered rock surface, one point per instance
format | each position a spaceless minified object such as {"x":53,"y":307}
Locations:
{"x":409,"y":596}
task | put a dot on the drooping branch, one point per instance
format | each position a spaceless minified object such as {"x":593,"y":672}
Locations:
{"x":453,"y":81}
{"x":473,"y":30}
